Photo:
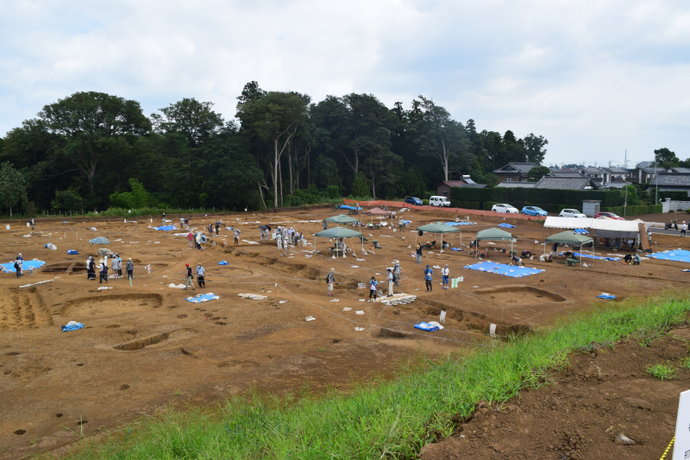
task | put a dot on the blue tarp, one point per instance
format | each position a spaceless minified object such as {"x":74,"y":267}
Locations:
{"x":504,"y":225}
{"x":581,"y":231}
{"x":99,"y":240}
{"x":223,"y":262}
{"x":426,"y":327}
{"x":202,"y":298}
{"x":456,"y":249}
{"x":503,"y":269}
{"x":457,"y":224}
{"x":350,"y":207}
{"x":590,"y":256}
{"x":678,"y":255}
{"x":72,"y":327}
{"x":166,"y":228}
{"x":72,"y":252}
{"x":28,"y":264}
{"x":607,"y":296}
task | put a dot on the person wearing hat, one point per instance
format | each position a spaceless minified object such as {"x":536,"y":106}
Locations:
{"x":114,"y":266}
{"x":373,"y":288}
{"x":90,"y":269}
{"x":189,"y":278}
{"x":445,"y":272}
{"x":419,"y":253}
{"x":427,"y":278}
{"x":200,"y":275}
{"x":391,"y":280}
{"x":103,"y":269}
{"x":130,"y":270}
{"x":397,"y":271}
{"x":683,"y":228}
{"x":330,"y":279}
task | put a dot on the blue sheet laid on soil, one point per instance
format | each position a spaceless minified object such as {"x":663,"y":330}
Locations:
{"x":677,"y":255}
{"x":72,"y":252}
{"x":202,"y":298}
{"x":504,"y":225}
{"x":590,"y":256}
{"x":27,"y":265}
{"x":166,"y":228}
{"x":350,"y":207}
{"x":607,"y":296}
{"x":457,"y":224}
{"x":72,"y":327}
{"x":426,"y":327}
{"x":503,"y":269}
{"x":223,"y":262}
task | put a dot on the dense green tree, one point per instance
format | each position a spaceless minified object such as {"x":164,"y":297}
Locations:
{"x":326,"y":172}
{"x":274,"y":116}
{"x":360,"y":187}
{"x":665,"y":158}
{"x":193,"y":119}
{"x":12,"y":186}
{"x":537,"y":173}
{"x":534,"y":146}
{"x":67,"y":200}
{"x":94,"y":127}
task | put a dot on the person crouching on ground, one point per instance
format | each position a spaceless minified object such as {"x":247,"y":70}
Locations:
{"x":189,"y":278}
{"x":391,"y":281}
{"x":627,"y":259}
{"x":373,"y":289}
{"x":428,"y":272}
{"x":200,"y":276}
{"x":445,"y":272}
{"x":330,"y":279}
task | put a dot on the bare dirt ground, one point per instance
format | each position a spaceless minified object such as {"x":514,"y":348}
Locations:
{"x":145,"y":347}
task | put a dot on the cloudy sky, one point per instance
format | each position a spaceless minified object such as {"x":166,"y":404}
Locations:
{"x":594,"y":78}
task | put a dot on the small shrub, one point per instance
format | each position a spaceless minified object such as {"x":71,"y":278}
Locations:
{"x":662,"y":371}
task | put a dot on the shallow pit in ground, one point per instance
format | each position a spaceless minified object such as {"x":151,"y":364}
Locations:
{"x":519,"y":295}
{"x":108,"y":305}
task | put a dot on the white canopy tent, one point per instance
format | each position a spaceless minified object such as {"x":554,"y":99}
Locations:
{"x":601,"y":228}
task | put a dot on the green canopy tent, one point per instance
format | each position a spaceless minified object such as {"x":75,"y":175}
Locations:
{"x":341,"y":219}
{"x":337,"y":233}
{"x":571,"y":238}
{"x":493,"y":234}
{"x":440,"y":228}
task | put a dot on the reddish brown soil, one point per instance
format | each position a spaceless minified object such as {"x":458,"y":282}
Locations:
{"x":145,"y":347}
{"x":582,"y":410}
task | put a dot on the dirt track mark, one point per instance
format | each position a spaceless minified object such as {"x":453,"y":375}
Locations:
{"x":23,"y":309}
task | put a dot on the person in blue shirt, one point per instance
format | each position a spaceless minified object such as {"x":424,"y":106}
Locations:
{"x":200,"y":276}
{"x":427,"y":278}
{"x":373,"y":288}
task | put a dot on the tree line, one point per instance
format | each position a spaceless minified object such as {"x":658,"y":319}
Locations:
{"x":93,"y":150}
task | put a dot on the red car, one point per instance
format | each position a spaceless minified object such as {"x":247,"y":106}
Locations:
{"x":610,"y":215}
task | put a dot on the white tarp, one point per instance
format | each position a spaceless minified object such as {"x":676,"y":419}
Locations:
{"x":568,"y":223}
{"x":601,"y":228}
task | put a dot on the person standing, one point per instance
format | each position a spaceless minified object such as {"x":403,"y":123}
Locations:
{"x":130,"y":270}
{"x":391,"y":281}
{"x":103,"y":272}
{"x":373,"y":289}
{"x":261,"y":236}
{"x":279,"y":238}
{"x":200,"y":276}
{"x":17,"y":268}
{"x":163,"y":217}
{"x":217,"y":228}
{"x":237,"y":235}
{"x":286,"y":241}
{"x":114,"y":265}
{"x":203,"y":241}
{"x":330,"y":280}
{"x":198,"y":240}
{"x":445,"y":272}
{"x":683,"y":229}
{"x":427,"y":278}
{"x":33,"y":223}
{"x":90,"y":269}
{"x":397,"y":271}
{"x":419,"y":253}
{"x":189,"y":278}
{"x":325,"y":225}
{"x":20,"y":265}
{"x":190,"y":237}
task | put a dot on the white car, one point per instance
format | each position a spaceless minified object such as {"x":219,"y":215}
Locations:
{"x":504,"y":208}
{"x":572,"y":213}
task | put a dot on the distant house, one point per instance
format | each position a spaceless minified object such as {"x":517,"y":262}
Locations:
{"x":643,"y":174}
{"x":556,"y":183}
{"x":680,"y":170}
{"x":615,"y":174}
{"x":444,"y":188}
{"x":671,"y":182}
{"x":594,"y":173}
{"x":514,"y":172}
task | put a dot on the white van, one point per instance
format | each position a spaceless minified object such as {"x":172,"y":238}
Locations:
{"x":439,"y":201}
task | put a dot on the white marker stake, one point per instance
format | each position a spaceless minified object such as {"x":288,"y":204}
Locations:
{"x":681,"y":448}
{"x":442,"y":319}
{"x":492,"y":330}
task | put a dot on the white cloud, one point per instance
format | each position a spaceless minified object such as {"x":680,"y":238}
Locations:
{"x":593,"y":78}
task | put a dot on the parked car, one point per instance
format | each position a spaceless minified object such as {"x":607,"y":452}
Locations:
{"x":610,"y":215}
{"x":439,"y":201}
{"x":572,"y":213}
{"x":414,"y":200}
{"x":504,"y":208}
{"x":534,"y":211}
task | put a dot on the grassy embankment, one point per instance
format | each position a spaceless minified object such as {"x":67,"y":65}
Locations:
{"x":387,"y":420}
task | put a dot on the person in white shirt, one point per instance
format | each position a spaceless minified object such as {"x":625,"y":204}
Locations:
{"x":391,"y":282}
{"x":445,"y":272}
{"x":683,"y":228}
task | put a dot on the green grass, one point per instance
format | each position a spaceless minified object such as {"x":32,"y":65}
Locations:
{"x":662,"y":371}
{"x":392,"y":419}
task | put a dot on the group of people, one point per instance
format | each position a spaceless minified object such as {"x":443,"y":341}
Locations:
{"x":116,"y":264}
{"x":284,"y":237}
{"x":197,"y":240}
{"x":200,"y":276}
